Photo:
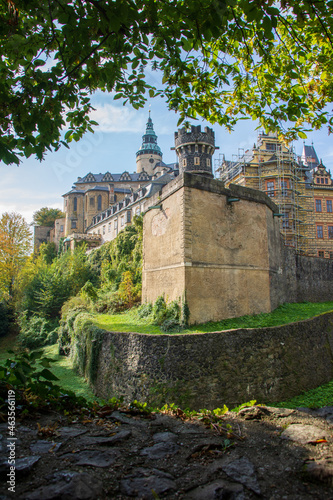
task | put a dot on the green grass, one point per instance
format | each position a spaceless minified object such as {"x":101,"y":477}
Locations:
{"x":315,"y":398}
{"x":130,"y":321}
{"x":68,"y":379}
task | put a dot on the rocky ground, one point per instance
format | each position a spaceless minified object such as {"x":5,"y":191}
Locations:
{"x":260,"y":452}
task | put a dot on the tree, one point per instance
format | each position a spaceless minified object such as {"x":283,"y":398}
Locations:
{"x":15,"y":246}
{"x":222,"y":60}
{"x":46,"y":216}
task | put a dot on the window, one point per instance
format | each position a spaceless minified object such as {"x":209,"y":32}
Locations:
{"x":115,"y":224}
{"x":326,"y":180}
{"x":196,"y":160}
{"x":196,"y":149}
{"x":331,"y":255}
{"x":92,"y":202}
{"x":61,"y":229}
{"x":321,"y":253}
{"x":137,"y":211}
{"x":184,"y":162}
{"x":270,"y":185}
{"x":320,"y":233}
{"x":109,"y":227}
{"x":318,"y":180}
{"x":104,"y":229}
{"x":329,"y":206}
{"x":285,"y":220}
{"x":330,"y":232}
{"x":99,"y":202}
{"x":284,"y":187}
{"x":208,"y":162}
{"x":318,"y":206}
{"x":73,"y":224}
{"x":75,"y":205}
{"x":322,"y":180}
{"x":270,"y":147}
{"x":122,"y":220}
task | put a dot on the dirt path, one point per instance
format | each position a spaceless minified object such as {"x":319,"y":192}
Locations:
{"x":259,"y":453}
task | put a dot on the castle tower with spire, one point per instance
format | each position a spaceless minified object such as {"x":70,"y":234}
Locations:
{"x":149,"y":153}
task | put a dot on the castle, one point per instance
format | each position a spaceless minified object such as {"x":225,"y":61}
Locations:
{"x":99,"y":205}
{"x":215,"y":242}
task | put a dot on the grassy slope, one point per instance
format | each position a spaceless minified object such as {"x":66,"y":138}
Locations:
{"x":130,"y":321}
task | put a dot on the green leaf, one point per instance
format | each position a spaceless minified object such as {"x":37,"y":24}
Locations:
{"x":47,"y":374}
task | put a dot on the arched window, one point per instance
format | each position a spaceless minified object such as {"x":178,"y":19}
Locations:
{"x":99,"y":202}
{"x":75,"y":204}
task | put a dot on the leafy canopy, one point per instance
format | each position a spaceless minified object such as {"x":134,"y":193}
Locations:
{"x":220,"y":59}
{"x":15,"y":245}
{"x":46,"y":216}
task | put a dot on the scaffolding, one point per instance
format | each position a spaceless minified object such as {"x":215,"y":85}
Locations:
{"x":274,"y":169}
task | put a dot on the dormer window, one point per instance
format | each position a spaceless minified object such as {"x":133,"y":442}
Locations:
{"x":125,"y":177}
{"x":90,"y":178}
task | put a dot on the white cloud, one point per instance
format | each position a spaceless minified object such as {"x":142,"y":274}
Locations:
{"x":118,"y":119}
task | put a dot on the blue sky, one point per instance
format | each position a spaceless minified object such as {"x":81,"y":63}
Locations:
{"x":33,"y":185}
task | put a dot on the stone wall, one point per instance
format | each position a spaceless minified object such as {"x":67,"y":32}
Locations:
{"x":212,"y":369}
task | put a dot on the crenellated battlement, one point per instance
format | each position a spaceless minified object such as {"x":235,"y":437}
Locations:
{"x":195,"y":135}
{"x":195,"y":149}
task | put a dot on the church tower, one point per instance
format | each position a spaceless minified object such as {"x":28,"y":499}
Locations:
{"x":149,"y":154}
{"x":195,"y":149}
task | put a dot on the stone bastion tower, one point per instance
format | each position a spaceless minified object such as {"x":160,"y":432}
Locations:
{"x":195,"y":149}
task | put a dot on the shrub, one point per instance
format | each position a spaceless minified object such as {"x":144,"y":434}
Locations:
{"x":36,"y":331}
{"x":145,"y":310}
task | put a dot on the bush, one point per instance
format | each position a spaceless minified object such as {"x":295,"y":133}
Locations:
{"x":145,"y":310}
{"x":36,"y":331}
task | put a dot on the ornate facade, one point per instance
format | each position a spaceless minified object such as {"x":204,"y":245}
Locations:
{"x":301,"y":187}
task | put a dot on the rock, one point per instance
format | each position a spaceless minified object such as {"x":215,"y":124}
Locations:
{"x":67,"y":485}
{"x":242,"y":470}
{"x":320,"y":470}
{"x":95,"y":458}
{"x":160,"y":450}
{"x":117,"y":416}
{"x":143,"y":483}
{"x":42,"y":447}
{"x":326,"y":412}
{"x":100,"y":440}
{"x":24,"y":465}
{"x":71,"y":431}
{"x":280,"y":412}
{"x":303,"y":434}
{"x":254,"y":412}
{"x":217,"y":490}
{"x":165,"y":437}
